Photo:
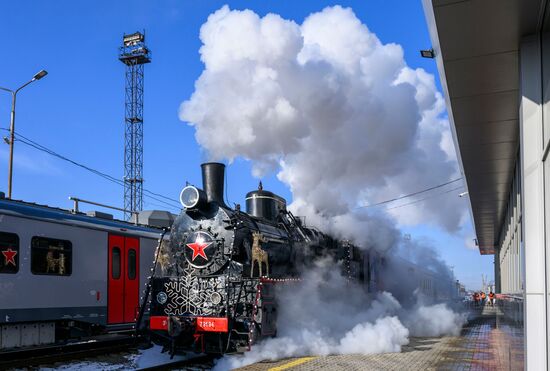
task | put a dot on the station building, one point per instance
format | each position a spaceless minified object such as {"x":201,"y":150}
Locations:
{"x":493,"y":58}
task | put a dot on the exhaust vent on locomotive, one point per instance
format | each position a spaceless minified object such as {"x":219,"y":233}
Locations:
{"x":213,"y":177}
{"x":264,"y":204}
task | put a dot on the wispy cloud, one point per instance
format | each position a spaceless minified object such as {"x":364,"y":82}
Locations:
{"x":28,"y":162}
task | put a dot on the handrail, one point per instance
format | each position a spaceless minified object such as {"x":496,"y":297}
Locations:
{"x":77,"y":200}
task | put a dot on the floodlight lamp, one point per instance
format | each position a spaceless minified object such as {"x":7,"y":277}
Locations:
{"x":133,"y":39}
{"x":427,"y":53}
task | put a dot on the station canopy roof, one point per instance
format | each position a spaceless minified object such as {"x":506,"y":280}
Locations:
{"x":476,"y":44}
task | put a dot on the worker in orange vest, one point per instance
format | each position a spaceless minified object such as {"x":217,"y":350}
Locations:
{"x":492,"y":298}
{"x":483,"y":297}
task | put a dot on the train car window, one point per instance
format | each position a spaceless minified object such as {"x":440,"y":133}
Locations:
{"x":115,"y":269}
{"x":9,"y":252}
{"x":51,"y":256}
{"x":131,"y":264}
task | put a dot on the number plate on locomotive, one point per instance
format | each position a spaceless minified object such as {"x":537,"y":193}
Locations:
{"x":211,"y":324}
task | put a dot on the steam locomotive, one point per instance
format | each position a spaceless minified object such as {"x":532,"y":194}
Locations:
{"x":213,"y":290}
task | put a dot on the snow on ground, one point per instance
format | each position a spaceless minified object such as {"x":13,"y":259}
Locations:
{"x":133,"y":361}
{"x":153,"y":357}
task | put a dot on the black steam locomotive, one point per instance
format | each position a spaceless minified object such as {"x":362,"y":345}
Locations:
{"x":213,"y":290}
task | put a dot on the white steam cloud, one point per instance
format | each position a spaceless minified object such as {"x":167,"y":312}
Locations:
{"x":434,"y":320}
{"x":336,"y":112}
{"x":344,"y":122}
{"x":325,"y":314}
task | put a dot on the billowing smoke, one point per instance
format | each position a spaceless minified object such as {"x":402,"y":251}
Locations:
{"x":344,"y":122}
{"x":412,"y":262}
{"x":434,"y":320}
{"x":338,"y":114}
{"x":324,"y":314}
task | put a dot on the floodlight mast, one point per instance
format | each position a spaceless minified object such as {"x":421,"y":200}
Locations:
{"x":134,"y":54}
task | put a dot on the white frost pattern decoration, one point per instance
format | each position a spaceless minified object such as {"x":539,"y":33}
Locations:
{"x":192,"y":295}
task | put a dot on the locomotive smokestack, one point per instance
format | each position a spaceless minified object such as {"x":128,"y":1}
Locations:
{"x":213,"y":176}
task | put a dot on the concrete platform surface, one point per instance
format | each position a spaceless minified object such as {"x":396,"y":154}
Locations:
{"x":481,"y":346}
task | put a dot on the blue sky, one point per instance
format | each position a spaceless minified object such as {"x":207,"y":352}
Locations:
{"x":78,"y":111}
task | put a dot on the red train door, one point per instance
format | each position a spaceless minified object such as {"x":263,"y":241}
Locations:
{"x":123,"y":287}
{"x":115,"y":299}
{"x":131,"y":279}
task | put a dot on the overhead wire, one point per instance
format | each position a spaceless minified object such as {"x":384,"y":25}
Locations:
{"x":21,"y":138}
{"x":149,"y":203}
{"x":425,"y":198}
{"x":409,"y":195}
{"x":29,"y":142}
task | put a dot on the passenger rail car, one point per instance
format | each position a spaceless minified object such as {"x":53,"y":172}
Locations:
{"x":429,"y":284}
{"x":65,"y":274}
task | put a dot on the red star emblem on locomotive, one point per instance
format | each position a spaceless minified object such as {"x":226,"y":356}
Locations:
{"x":9,"y":256}
{"x":198,"y":247}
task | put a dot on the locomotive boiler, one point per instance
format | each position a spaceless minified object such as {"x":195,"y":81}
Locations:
{"x":213,"y":290}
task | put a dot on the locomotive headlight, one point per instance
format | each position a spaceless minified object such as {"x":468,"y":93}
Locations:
{"x":162,"y":297}
{"x":216,"y":298}
{"x":191,"y":197}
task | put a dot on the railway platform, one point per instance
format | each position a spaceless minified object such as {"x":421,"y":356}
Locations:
{"x":487,"y":342}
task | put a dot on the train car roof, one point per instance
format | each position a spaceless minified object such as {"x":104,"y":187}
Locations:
{"x":57,"y":215}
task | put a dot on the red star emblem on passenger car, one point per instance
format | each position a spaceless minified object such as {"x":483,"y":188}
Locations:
{"x":198,"y":247}
{"x":9,"y":256}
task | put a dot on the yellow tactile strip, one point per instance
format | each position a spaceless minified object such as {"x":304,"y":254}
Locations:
{"x":291,"y":364}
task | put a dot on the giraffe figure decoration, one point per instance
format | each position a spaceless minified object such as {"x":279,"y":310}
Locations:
{"x":258,"y":254}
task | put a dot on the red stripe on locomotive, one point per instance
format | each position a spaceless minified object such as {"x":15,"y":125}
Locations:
{"x":158,"y":323}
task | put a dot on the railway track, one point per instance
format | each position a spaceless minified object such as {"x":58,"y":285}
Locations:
{"x":118,"y":351}
{"x":200,"y":362}
{"x":66,"y":352}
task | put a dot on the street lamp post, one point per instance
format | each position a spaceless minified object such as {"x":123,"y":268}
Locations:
{"x":38,"y":76}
